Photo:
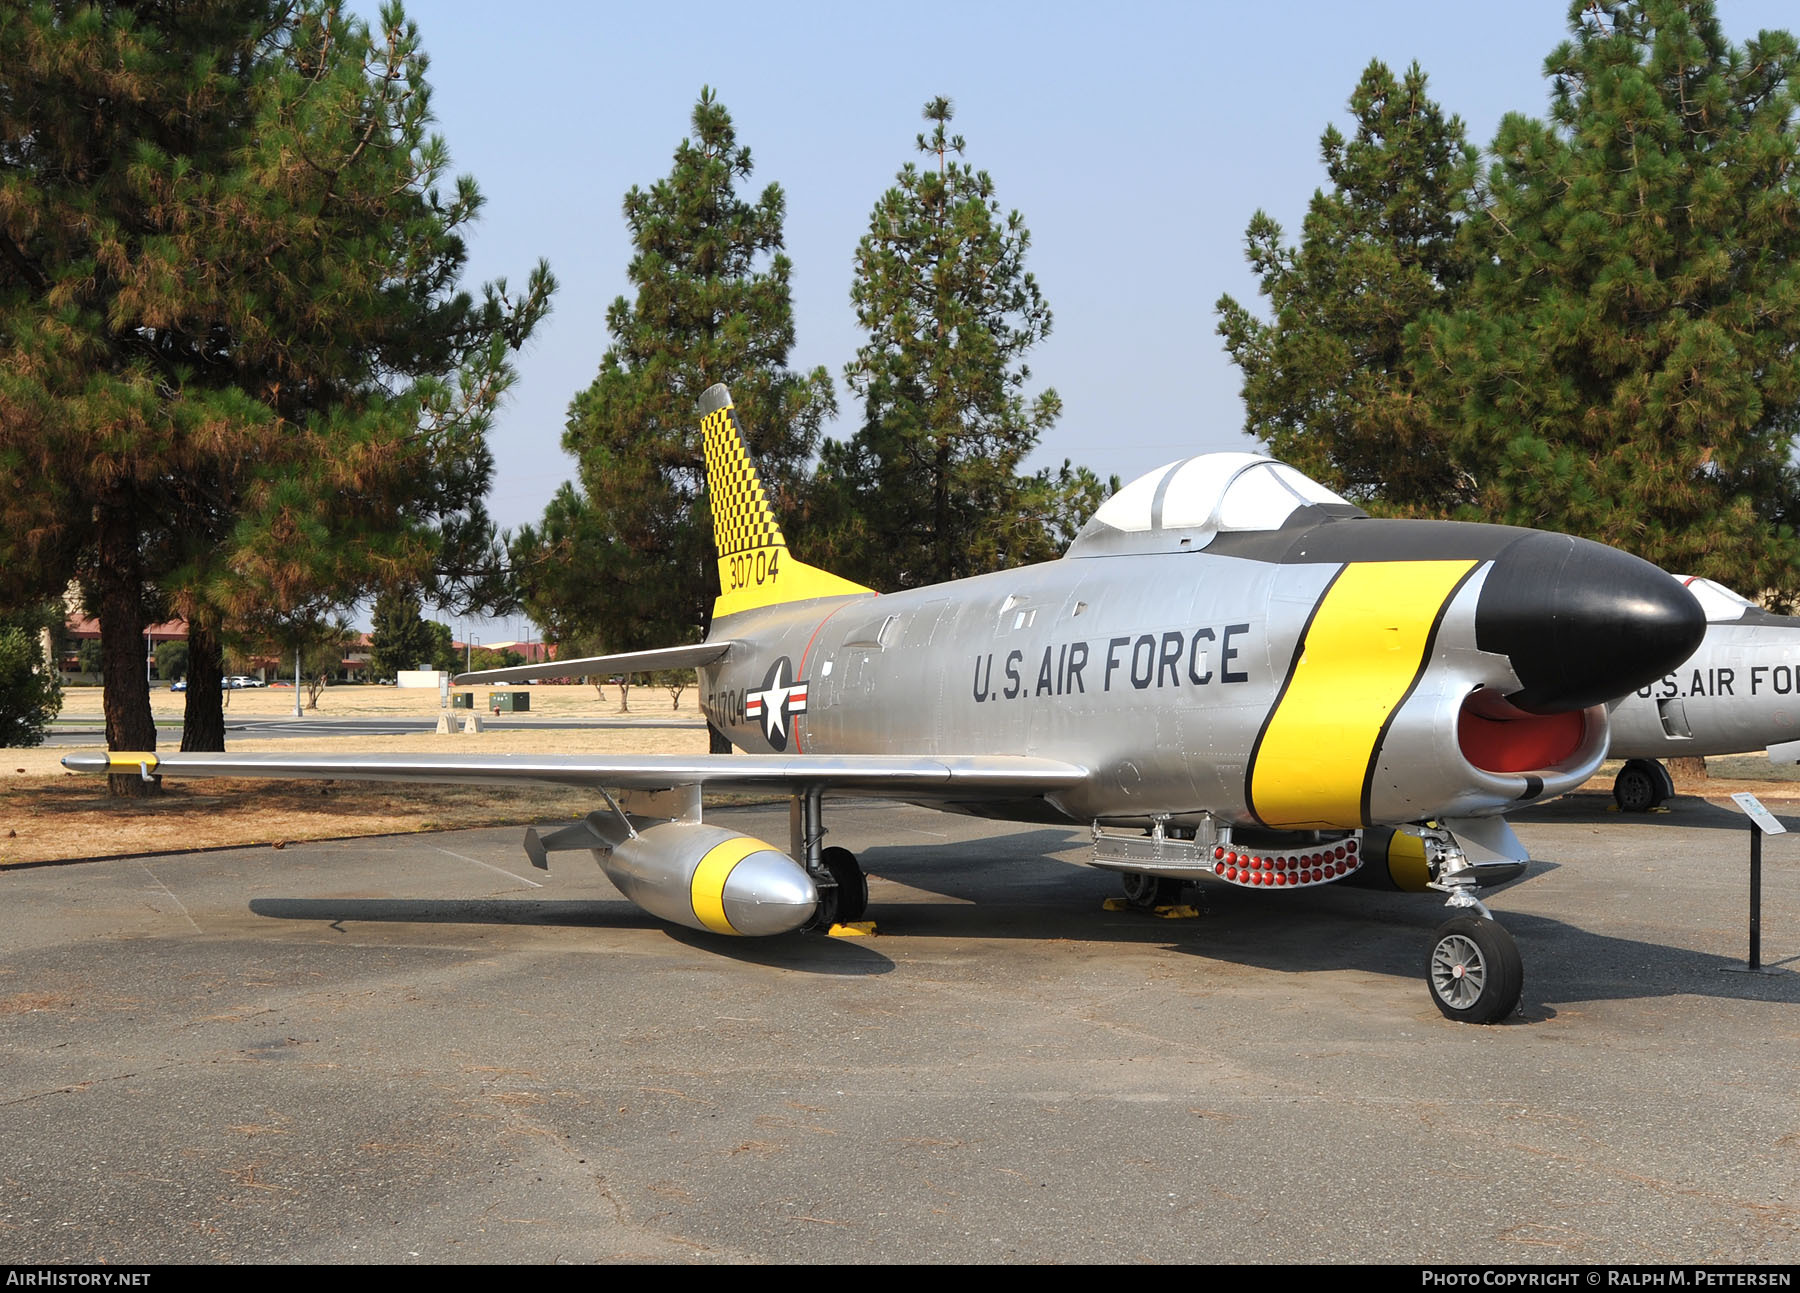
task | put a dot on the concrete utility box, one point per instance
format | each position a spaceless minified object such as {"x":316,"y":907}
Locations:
{"x":462,"y":700}
{"x":510,"y":702}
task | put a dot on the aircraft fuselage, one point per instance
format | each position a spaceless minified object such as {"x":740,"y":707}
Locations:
{"x":1740,"y":692}
{"x":1318,"y":679}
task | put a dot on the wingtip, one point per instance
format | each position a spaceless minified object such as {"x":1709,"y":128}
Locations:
{"x":86,"y":762}
{"x":714,"y":398}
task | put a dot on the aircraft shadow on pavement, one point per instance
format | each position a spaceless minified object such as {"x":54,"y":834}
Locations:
{"x":1335,"y":927}
{"x":828,"y":956}
{"x":1684,"y":810}
{"x":1014,"y":886}
{"x":570,"y":912}
{"x":806,"y":953}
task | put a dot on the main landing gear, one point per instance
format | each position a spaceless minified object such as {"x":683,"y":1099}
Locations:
{"x":850,"y":895}
{"x":843,"y":888}
{"x":1148,"y":892}
{"x":1642,"y":784}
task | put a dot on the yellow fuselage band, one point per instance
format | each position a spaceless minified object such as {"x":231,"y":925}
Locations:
{"x":1362,"y":654}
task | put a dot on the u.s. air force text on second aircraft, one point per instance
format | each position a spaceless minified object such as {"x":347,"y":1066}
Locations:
{"x":1723,"y":680}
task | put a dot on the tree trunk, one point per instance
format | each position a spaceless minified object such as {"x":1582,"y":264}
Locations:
{"x":119,"y":588}
{"x":1688,"y":769}
{"x":203,"y":725}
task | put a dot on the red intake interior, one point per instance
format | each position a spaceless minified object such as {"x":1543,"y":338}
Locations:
{"x":1495,"y":737}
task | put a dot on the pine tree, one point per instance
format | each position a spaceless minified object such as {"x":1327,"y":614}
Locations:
{"x":1328,"y":385}
{"x":398,"y":636}
{"x":929,"y":488}
{"x":624,"y":562}
{"x":236,"y":371}
{"x":1626,"y":362}
{"x":443,"y":652}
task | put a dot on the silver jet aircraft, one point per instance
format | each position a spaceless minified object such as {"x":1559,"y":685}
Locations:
{"x":1232,"y":674}
{"x":1739,"y":693}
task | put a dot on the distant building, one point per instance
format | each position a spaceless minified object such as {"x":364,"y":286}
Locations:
{"x":79,"y":628}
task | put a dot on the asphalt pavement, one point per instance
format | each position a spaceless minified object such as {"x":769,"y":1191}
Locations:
{"x":420,"y":1049}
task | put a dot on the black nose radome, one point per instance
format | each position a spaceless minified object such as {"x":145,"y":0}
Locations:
{"x":1583,"y":623}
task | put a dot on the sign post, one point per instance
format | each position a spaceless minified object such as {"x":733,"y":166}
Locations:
{"x":1762,"y":822}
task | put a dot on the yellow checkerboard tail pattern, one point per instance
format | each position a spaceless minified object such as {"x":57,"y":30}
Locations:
{"x":755,"y":568}
{"x":742,"y":518}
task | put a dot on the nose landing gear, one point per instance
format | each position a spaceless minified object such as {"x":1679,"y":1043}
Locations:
{"x":1475,"y":973}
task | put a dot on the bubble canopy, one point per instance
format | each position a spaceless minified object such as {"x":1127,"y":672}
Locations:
{"x":1215,"y":492}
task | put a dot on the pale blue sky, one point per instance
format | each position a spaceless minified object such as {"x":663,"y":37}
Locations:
{"x":1136,"y":139}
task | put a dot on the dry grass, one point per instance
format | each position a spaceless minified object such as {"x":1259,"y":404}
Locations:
{"x":48,"y":814}
{"x":557,"y":701}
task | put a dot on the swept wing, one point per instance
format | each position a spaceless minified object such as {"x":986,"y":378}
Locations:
{"x":987,"y":776}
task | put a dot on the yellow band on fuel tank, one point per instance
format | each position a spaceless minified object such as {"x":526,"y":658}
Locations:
{"x":1406,"y":863}
{"x":707,"y":889}
{"x":1359,"y":657}
{"x":128,"y":761}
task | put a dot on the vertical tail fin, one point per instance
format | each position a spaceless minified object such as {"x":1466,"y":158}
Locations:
{"x":755,"y":568}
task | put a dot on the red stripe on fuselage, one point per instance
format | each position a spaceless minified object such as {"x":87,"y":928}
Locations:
{"x":800,"y":672}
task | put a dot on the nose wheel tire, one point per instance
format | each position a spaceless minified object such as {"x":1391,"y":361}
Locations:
{"x":1475,"y":973}
{"x":1148,"y":892}
{"x":852,"y":884}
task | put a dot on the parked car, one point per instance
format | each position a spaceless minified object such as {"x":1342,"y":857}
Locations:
{"x":238,"y":681}
{"x":180,"y":684}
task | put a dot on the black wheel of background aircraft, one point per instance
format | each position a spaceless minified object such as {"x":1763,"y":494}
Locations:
{"x":1639,"y":786}
{"x":1475,"y":974}
{"x":852,"y":884}
{"x":1148,"y":892}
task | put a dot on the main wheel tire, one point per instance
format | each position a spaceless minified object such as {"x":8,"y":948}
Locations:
{"x":1475,"y":974}
{"x":1148,"y":892}
{"x":1637,"y":789}
{"x":852,"y":884}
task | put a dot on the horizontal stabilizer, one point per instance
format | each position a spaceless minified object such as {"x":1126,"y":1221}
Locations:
{"x":681,"y":657}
